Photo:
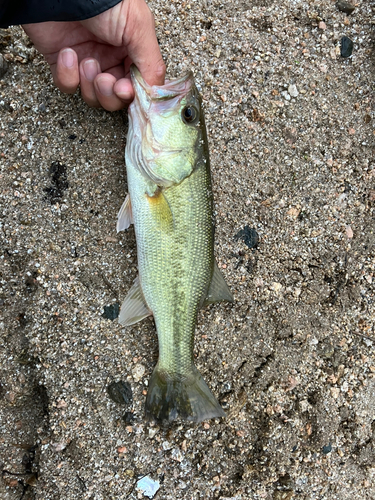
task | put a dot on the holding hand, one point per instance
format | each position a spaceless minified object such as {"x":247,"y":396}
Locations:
{"x":97,"y":53}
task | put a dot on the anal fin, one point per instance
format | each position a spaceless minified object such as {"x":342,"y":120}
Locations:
{"x":134,"y":307}
{"x":218,"y":290}
{"x":125,"y":216}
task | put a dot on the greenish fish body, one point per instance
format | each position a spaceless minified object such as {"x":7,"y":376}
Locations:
{"x":170,"y":203}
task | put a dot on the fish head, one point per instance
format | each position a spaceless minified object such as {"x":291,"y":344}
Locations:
{"x":168,"y":122}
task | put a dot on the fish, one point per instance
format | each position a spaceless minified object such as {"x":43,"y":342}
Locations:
{"x":170,"y":203}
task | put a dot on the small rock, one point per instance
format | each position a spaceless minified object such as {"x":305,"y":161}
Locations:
{"x":345,"y":7}
{"x":120,"y":392}
{"x":138,"y":372}
{"x":327,"y":350}
{"x":152,"y":432}
{"x":249,"y":236}
{"x":166,"y":445}
{"x":148,"y":486}
{"x":60,"y":446}
{"x":293,"y":212}
{"x":327,"y":449}
{"x":277,"y":287}
{"x":111,"y":312}
{"x":293,"y":91}
{"x":349,"y":232}
{"x":346,"y":47}
{"x":322,"y":25}
{"x":177,"y":455}
{"x":286,"y":95}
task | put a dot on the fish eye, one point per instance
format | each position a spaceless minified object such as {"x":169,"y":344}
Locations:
{"x":190,"y":115}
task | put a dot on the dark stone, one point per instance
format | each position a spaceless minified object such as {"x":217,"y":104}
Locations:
{"x":31,"y":282}
{"x":41,"y":399}
{"x":112,"y":311}
{"x":249,"y":236}
{"x":72,"y":137}
{"x":344,"y":6}
{"x":327,"y":449}
{"x":128,"y":417}
{"x":120,"y":392}
{"x":59,"y":181}
{"x":346,"y":46}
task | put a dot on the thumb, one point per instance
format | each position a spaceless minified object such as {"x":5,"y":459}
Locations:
{"x":141,"y":42}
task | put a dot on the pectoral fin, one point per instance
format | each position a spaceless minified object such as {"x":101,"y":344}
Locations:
{"x":161,"y":211}
{"x":218,"y":290}
{"x":125,"y":216}
{"x":134,"y":307}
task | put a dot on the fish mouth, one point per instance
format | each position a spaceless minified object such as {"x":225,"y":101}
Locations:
{"x":171,"y":89}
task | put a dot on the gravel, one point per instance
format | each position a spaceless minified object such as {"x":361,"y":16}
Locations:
{"x":291,"y":132}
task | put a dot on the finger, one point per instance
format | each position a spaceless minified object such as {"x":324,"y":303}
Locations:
{"x":143,"y":48}
{"x":104,"y":88}
{"x":65,"y":72}
{"x":123,"y":88}
{"x":89,"y":69}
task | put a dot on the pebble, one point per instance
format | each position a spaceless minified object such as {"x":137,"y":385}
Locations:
{"x":111,"y":312}
{"x":345,"y":7}
{"x":349,"y":232}
{"x":249,"y":236}
{"x":327,"y":449}
{"x":120,"y":392}
{"x":148,"y":486}
{"x":138,"y":371}
{"x":346,"y":46}
{"x":293,"y":91}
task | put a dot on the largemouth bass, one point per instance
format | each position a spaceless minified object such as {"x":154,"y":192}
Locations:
{"x":170,"y":203}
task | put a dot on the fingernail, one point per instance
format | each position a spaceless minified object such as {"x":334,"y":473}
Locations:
{"x":105,"y":87}
{"x":67,"y":57}
{"x":90,"y":68}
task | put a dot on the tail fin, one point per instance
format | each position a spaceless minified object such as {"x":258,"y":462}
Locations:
{"x":170,"y":396}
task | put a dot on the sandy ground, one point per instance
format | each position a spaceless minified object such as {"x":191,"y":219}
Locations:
{"x":291,"y":132}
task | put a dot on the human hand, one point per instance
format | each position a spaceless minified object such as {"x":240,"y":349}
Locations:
{"x":97,"y":53}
